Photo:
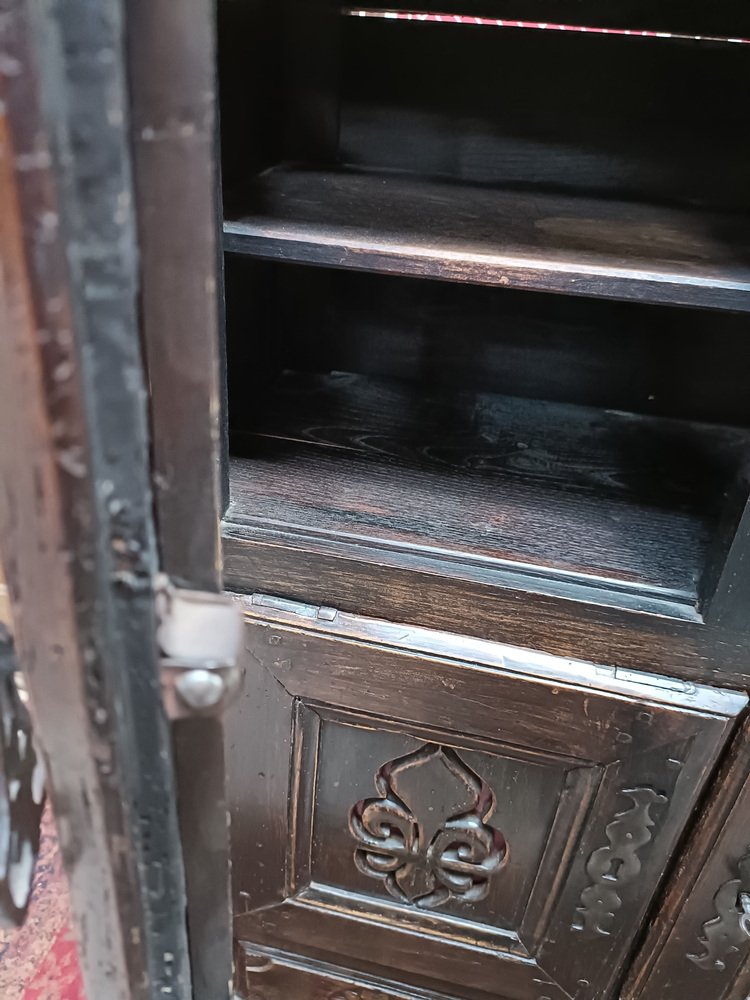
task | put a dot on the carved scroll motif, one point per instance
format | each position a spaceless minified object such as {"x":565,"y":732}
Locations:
{"x":427,"y":837}
{"x":728,"y":932}
{"x":612,"y":867}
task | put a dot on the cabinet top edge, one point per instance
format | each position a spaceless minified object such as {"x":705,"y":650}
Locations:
{"x":483,"y":654}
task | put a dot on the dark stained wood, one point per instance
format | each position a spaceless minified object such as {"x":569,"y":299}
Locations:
{"x":615,"y":355}
{"x":330,"y":930}
{"x":250,"y":53}
{"x":260,"y":823}
{"x":173,"y":123}
{"x":726,"y":587}
{"x":203,"y":808}
{"x":173,"y":126}
{"x":518,"y":728}
{"x":75,"y":503}
{"x":480,"y":469}
{"x":701,"y":902}
{"x":320,"y":642}
{"x":456,"y":101}
{"x":276,"y":975}
{"x":311,"y":63}
{"x":567,"y":624}
{"x":552,"y":242}
{"x":506,"y":532}
{"x":487,"y":481}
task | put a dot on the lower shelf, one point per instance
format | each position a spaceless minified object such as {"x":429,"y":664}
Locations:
{"x":476,"y":482}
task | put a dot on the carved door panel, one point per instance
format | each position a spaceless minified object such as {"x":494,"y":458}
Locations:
{"x":699,"y":945}
{"x":467,"y":819}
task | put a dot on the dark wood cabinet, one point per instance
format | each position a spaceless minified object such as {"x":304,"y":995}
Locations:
{"x":420,"y":433}
{"x":443,"y":318}
{"x":415,"y":424}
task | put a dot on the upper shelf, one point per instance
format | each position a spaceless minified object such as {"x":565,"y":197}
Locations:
{"x":536,"y":240}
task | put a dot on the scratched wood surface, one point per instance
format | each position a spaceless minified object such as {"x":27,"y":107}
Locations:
{"x":382,"y":714}
{"x":172,"y":72}
{"x":481,"y":475}
{"x":75,"y":504}
{"x":420,"y":433}
{"x":548,"y":241}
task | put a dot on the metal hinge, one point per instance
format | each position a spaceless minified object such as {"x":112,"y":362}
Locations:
{"x":311,"y":611}
{"x":200,"y":641}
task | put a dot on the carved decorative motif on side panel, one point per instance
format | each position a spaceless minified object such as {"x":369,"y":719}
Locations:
{"x":729,"y":931}
{"x":614,"y":866}
{"x":427,"y":837}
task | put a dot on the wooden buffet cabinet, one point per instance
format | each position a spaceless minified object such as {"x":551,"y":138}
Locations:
{"x":457,"y":412}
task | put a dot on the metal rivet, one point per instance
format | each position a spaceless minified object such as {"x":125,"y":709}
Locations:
{"x":200,"y":688}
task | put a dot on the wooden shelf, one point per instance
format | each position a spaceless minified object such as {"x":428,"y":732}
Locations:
{"x":550,"y":242}
{"x":469,"y":483}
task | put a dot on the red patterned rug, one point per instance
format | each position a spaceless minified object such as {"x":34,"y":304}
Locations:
{"x":39,"y":961}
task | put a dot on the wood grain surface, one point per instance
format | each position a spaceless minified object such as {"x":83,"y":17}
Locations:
{"x":476,"y":476}
{"x":75,"y":501}
{"x":561,"y":243}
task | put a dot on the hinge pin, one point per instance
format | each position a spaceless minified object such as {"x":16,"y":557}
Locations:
{"x":200,"y":639}
{"x":200,"y":689}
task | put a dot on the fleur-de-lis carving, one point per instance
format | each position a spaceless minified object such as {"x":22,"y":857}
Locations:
{"x":613,"y":866}
{"x":426,"y":837}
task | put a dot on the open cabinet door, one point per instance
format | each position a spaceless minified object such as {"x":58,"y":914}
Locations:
{"x":177,"y":188}
{"x":143,"y":829}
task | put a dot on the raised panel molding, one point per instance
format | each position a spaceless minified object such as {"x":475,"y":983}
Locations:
{"x":451,"y":807}
{"x":427,"y":838}
{"x":271,"y":974}
{"x":429,"y":797}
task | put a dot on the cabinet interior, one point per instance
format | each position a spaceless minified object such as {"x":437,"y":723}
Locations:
{"x":485,"y":290}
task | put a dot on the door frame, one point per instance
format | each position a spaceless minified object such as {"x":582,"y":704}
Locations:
{"x":79,"y":545}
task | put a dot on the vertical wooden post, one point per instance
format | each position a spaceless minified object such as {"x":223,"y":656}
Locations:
{"x":75,"y":506}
